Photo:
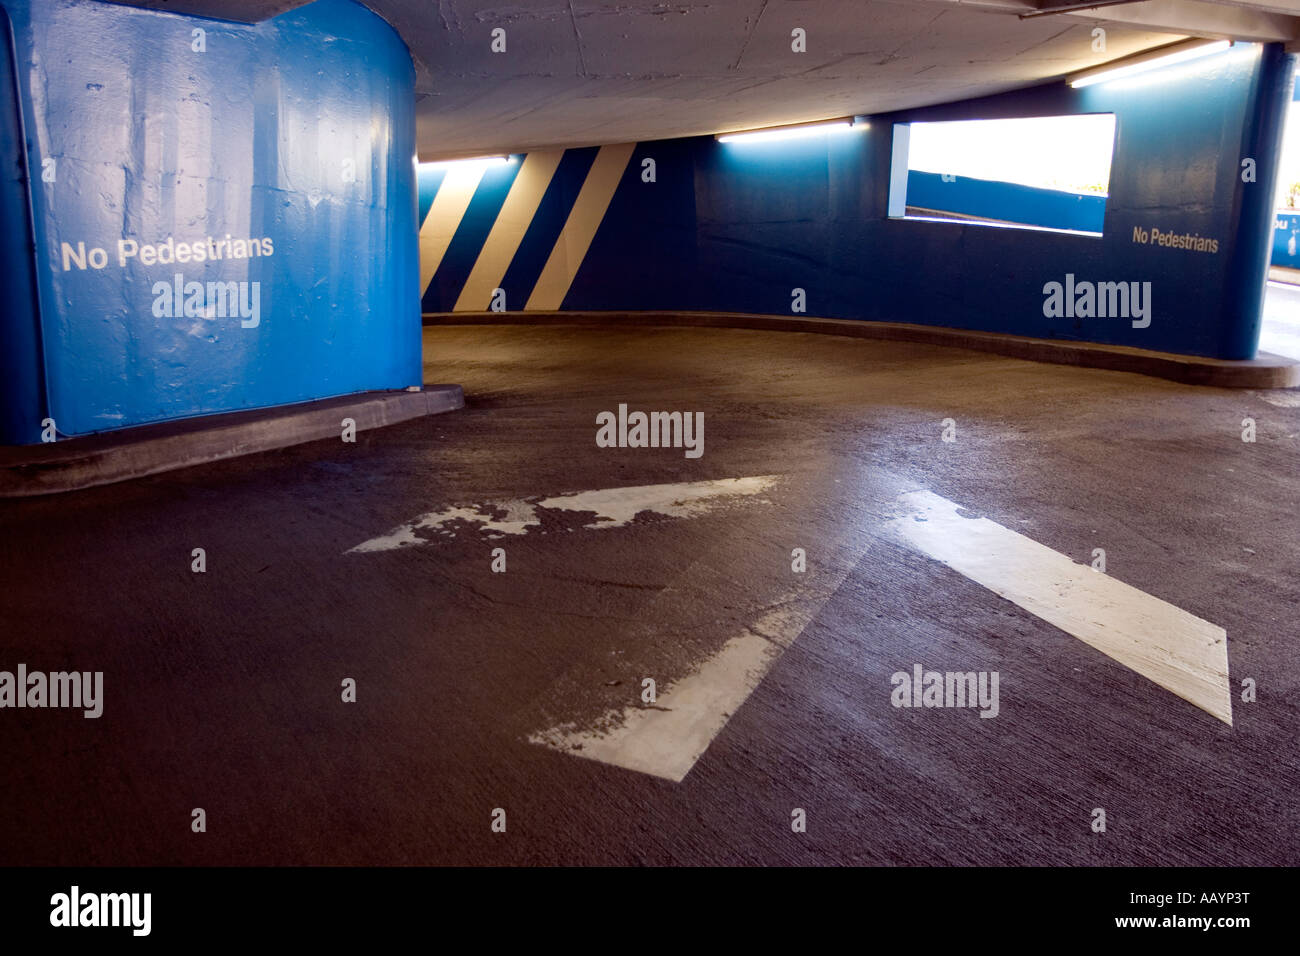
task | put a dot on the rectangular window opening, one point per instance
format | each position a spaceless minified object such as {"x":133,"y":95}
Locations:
{"x":1048,"y":173}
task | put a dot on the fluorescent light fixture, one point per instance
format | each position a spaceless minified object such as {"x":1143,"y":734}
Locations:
{"x":800,"y":131}
{"x":1152,"y":60}
{"x":477,"y":162}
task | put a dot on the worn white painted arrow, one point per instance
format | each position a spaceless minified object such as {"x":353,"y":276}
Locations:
{"x":667,"y":740}
{"x":1177,"y":650}
{"x":612,"y":507}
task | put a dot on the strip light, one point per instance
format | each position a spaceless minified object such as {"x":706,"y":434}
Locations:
{"x":1184,"y":52}
{"x":477,"y":162}
{"x":802,"y":131}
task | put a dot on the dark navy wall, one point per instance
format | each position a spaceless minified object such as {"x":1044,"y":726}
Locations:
{"x":297,"y":133}
{"x":735,"y":227}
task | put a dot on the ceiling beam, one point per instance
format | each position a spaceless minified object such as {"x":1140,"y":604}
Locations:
{"x":1268,"y":21}
{"x":1051,"y":9}
{"x":1219,"y":21}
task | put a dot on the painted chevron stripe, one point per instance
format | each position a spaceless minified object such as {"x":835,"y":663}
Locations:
{"x":444,"y":217}
{"x":576,"y":236}
{"x":512,"y":222}
{"x":455,"y":193}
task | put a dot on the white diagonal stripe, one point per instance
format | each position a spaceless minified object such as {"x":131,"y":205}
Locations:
{"x":512,"y":222}
{"x":667,"y":740}
{"x":443,"y":219}
{"x":1175,"y":649}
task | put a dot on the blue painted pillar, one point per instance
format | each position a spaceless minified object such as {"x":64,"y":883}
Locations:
{"x":222,"y":215}
{"x":22,"y":382}
{"x":1243,"y":301}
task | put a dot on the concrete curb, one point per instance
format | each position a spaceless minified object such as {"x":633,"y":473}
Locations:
{"x":149,"y":449}
{"x":1266,"y":371}
{"x":1284,"y":275}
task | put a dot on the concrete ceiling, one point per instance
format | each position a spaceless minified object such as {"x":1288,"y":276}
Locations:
{"x":589,"y":72}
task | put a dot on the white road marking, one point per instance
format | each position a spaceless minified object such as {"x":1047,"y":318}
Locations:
{"x":667,"y":740}
{"x":1177,"y":650}
{"x":612,"y":507}
{"x":1282,"y":398}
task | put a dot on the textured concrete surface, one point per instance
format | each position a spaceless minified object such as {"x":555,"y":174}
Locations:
{"x":1266,"y":370}
{"x":1280,"y":329}
{"x":222,"y":689}
{"x":593,"y":72}
{"x":615,"y":71}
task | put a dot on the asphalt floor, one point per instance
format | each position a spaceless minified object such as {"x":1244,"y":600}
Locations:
{"x":222,"y":689}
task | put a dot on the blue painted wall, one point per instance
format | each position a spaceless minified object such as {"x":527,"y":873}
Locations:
{"x":735,"y":227}
{"x":1286,"y":225}
{"x":1006,"y":202}
{"x":1286,"y":239}
{"x":283,"y":150}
